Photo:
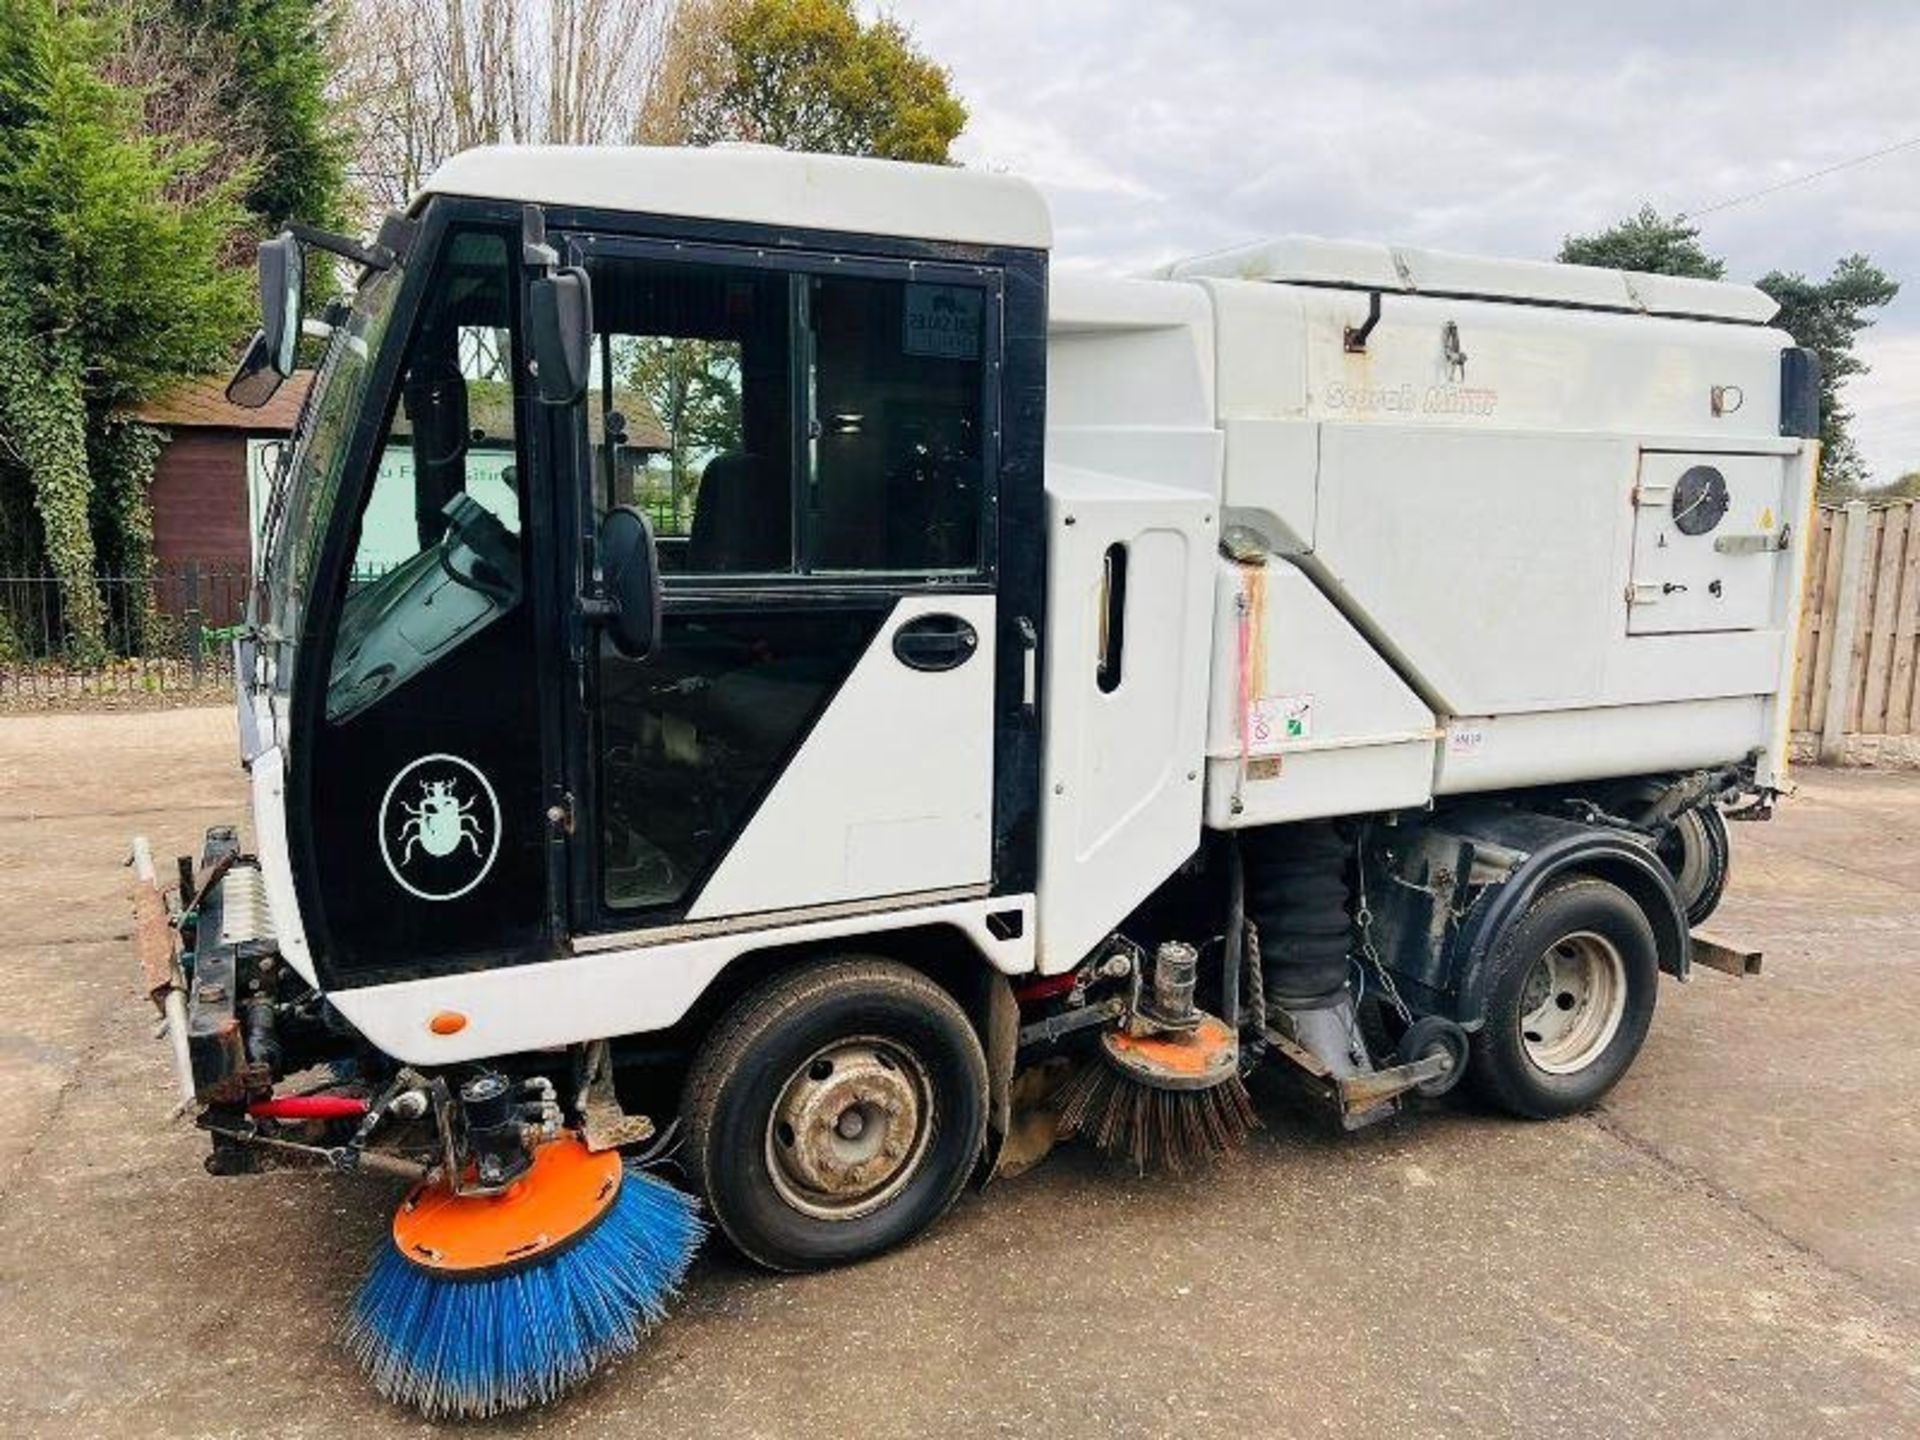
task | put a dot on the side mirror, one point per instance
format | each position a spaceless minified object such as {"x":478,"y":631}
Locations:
{"x":630,"y":571}
{"x":255,"y":382}
{"x":560,"y":333}
{"x":283,"y":281}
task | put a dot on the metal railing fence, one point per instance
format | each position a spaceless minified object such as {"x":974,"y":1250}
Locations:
{"x":164,"y":634}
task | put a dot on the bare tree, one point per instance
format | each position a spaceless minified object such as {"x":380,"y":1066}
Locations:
{"x":180,"y":73}
{"x":424,"y":79}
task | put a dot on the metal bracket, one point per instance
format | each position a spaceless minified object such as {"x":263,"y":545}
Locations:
{"x":1722,"y":955}
{"x":607,"y":1126}
{"x":1762,"y":543}
{"x":368,"y":257}
{"x":535,"y":252}
{"x":1044,"y":1032}
{"x":1359,"y":1094}
{"x":1354,"y":340}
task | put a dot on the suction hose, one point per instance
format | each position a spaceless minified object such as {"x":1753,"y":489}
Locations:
{"x":1297,"y":894}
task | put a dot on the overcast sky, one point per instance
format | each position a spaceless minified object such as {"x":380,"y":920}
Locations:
{"x":1160,"y":130}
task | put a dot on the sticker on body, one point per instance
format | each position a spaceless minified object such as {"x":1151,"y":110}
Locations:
{"x":1274,"y":721}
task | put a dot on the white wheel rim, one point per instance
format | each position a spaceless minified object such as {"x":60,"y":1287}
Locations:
{"x":851,"y":1128}
{"x":1572,"y":1002}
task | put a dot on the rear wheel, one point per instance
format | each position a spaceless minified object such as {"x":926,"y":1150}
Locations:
{"x":1571,"y":996}
{"x":1697,"y":853}
{"x":835,"y":1113}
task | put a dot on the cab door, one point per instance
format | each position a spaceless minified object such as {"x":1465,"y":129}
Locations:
{"x":815,"y":440}
{"x":423,"y":768}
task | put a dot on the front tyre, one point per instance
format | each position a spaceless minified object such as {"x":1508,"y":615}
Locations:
{"x":835,"y":1113}
{"x":1570,"y":997}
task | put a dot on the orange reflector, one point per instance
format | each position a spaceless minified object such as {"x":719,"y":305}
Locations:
{"x":447,"y":1022}
{"x":566,"y":1191}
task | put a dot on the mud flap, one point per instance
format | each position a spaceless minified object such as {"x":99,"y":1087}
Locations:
{"x":1001,"y":1037}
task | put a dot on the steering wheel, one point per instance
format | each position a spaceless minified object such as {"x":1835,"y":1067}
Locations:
{"x":473,"y":530}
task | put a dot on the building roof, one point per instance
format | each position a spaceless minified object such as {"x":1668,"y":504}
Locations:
{"x":1360,"y":265}
{"x":759,"y":184}
{"x":202,"y":404}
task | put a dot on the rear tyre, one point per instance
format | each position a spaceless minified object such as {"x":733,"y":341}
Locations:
{"x":1571,"y":994}
{"x":835,"y":1113}
{"x":1698,"y":853}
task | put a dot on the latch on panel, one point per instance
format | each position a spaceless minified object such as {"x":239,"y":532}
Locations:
{"x":1759,"y":543}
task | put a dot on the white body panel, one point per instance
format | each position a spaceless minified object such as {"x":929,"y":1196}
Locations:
{"x":1365,"y":265}
{"x":1330,"y":729}
{"x":1134,"y":461}
{"x":759,"y":185}
{"x":1120,"y":807}
{"x":919,"y":814}
{"x":1473,"y":514}
{"x":1686,"y":584}
{"x":268,"y":772}
{"x":1498,"y":752}
{"x":624,"y":991}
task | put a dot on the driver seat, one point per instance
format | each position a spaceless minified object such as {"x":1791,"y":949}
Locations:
{"x":742,"y":519}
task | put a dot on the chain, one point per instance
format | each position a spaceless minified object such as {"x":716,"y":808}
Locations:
{"x":1256,"y":980}
{"x":1363,"y":919}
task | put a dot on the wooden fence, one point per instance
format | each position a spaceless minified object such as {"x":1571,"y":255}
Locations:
{"x":1854,"y":696}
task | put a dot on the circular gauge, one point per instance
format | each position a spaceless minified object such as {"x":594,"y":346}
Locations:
{"x":1699,"y":500}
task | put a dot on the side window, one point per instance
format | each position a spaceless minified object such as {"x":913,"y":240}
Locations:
{"x":437,"y":554}
{"x":869,"y":431}
{"x":896,"y":468}
{"x":691,"y":412}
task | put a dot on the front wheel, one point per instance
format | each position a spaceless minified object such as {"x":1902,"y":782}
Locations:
{"x":835,"y":1112}
{"x":1570,"y":998}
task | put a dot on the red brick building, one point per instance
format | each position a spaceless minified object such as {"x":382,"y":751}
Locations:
{"x":202,"y":496}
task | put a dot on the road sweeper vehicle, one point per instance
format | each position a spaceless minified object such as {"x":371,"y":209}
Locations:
{"x":758,"y":691}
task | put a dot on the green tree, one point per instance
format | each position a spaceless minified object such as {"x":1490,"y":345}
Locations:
{"x":112,"y":280}
{"x":804,"y":75}
{"x":1648,"y":242}
{"x":279,"y":63}
{"x":693,"y":388}
{"x":1826,"y":316}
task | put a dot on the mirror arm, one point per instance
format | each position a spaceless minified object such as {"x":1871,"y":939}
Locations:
{"x":535,"y":252}
{"x":372,"y":257}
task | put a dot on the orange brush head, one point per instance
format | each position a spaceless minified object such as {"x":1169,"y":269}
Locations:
{"x":1196,"y":1059}
{"x":567,"y":1190}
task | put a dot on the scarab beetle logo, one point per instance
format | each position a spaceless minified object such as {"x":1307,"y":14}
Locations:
{"x":439,"y":827}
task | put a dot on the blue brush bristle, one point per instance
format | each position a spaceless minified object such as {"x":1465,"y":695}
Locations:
{"x":470,"y":1348}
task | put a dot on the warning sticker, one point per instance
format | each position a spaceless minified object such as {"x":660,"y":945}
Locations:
{"x":1276,"y":719}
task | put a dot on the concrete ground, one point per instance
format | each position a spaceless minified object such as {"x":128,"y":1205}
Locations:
{"x":1730,"y":1247}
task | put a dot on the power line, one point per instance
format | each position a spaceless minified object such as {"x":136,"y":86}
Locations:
{"x":1811,"y":175}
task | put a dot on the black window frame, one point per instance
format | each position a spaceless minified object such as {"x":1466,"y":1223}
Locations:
{"x":439,"y":219}
{"x":584,"y":245}
{"x":561,"y":530}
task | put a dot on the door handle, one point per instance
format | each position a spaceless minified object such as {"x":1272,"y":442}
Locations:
{"x":1029,"y":667}
{"x":935,"y":642}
